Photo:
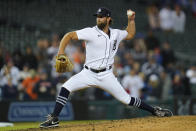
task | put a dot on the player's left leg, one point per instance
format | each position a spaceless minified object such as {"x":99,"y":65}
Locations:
{"x":76,"y":82}
{"x":112,"y":86}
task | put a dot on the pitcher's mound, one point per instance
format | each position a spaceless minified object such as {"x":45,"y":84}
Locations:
{"x":175,"y":123}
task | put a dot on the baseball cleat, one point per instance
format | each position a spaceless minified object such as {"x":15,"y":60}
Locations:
{"x":50,"y":122}
{"x":160,"y":112}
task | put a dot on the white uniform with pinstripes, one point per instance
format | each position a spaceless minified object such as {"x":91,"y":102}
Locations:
{"x":100,"y":52}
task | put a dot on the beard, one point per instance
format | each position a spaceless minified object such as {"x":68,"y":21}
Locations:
{"x":101,"y":26}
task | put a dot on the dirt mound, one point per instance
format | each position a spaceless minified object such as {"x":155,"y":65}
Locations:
{"x":175,"y":123}
{"x":178,"y":123}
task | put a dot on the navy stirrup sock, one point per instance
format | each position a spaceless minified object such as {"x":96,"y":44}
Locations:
{"x":61,"y":101}
{"x":140,"y":104}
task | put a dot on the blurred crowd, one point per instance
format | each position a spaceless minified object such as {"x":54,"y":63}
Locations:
{"x":145,"y":66}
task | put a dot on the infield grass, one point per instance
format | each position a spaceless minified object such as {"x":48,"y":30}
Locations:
{"x":28,"y":125}
{"x":21,"y":125}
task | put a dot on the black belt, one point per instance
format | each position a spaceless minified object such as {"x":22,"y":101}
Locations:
{"x":97,"y":71}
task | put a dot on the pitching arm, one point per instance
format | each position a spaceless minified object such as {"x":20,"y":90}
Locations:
{"x":131,"y":25}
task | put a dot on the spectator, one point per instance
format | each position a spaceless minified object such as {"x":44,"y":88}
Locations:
{"x":9,"y":71}
{"x":78,"y":59}
{"x":153,"y":17}
{"x":53,"y":49}
{"x":191,"y":74}
{"x":70,"y":49}
{"x":157,"y":55}
{"x":181,"y":80}
{"x":44,"y":87}
{"x":28,"y":84}
{"x":41,"y":52}
{"x":118,"y":67}
{"x":128,"y":62}
{"x":151,"y":67}
{"x":30,"y":59}
{"x":177,"y":85}
{"x":53,"y":72}
{"x":166,"y":19}
{"x":194,"y":7}
{"x":151,"y":41}
{"x":121,"y":51}
{"x":132,"y":82}
{"x":154,"y":85}
{"x":139,"y":51}
{"x":9,"y":90}
{"x":168,"y":56}
{"x":184,"y":3}
{"x":17,"y":59}
{"x":24,"y":73}
{"x":179,"y":19}
{"x":166,"y":86}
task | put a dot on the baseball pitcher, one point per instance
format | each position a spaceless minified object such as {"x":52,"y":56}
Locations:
{"x":101,"y":46}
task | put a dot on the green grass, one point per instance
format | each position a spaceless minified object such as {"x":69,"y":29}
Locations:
{"x":21,"y":125}
{"x":27,"y":125}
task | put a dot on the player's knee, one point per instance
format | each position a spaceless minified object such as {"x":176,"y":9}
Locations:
{"x":64,"y":92}
{"x":125,"y":100}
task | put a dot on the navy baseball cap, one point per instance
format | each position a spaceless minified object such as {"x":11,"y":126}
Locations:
{"x":102,"y":11}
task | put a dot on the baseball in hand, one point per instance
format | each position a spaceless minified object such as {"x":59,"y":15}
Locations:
{"x":130,"y":13}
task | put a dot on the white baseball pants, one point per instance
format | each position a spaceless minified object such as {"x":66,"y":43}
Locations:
{"x":104,"y":80}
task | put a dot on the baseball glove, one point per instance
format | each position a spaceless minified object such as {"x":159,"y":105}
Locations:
{"x":63,"y":64}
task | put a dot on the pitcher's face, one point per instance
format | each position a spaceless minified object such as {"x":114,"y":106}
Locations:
{"x":101,"y":22}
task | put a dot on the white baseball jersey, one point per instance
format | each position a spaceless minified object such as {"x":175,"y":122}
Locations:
{"x":100,"y":49}
{"x":100,"y":52}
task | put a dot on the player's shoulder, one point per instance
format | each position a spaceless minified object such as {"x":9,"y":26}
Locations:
{"x":85,"y":30}
{"x":88,"y":28}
